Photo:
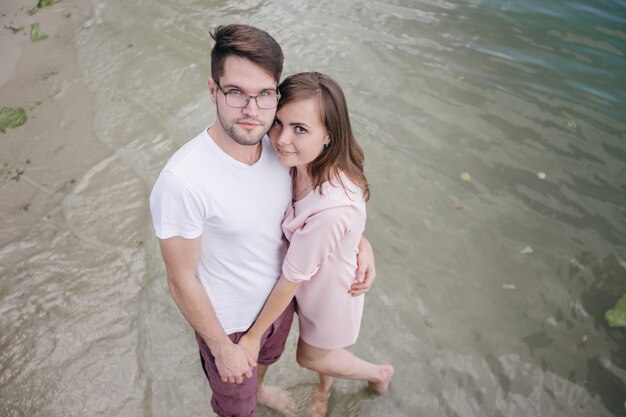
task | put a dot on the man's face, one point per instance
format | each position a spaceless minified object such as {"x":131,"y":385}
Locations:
{"x":248,"y":124}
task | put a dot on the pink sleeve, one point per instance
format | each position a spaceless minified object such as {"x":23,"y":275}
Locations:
{"x":314,"y":241}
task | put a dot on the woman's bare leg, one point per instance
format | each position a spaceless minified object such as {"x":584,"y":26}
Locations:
{"x":340,"y":363}
{"x":319,"y":402}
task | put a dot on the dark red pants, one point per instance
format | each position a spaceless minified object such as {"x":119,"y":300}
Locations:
{"x":239,"y":400}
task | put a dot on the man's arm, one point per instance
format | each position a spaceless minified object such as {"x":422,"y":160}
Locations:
{"x":366,"y":268}
{"x":181,"y":258}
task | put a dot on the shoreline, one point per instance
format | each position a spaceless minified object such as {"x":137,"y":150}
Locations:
{"x":41,"y":160}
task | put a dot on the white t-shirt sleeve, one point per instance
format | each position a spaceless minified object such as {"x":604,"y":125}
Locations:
{"x":176,"y":209}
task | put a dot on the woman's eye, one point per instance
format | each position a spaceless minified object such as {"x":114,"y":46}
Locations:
{"x":300,"y":129}
{"x":276,"y":122}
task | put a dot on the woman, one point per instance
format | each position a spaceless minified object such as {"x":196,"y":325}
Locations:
{"x":312,"y":134}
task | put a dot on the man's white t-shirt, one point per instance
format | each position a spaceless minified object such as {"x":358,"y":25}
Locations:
{"x":237,"y":209}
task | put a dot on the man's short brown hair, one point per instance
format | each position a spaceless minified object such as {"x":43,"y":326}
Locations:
{"x":246,"y":42}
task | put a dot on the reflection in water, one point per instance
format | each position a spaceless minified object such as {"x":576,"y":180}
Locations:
{"x":476,"y":324}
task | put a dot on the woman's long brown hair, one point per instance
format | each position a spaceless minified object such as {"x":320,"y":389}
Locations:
{"x":343,"y":153}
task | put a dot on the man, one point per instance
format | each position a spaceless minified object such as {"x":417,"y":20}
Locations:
{"x":217,"y":208}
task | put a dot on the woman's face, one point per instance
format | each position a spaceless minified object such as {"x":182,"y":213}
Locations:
{"x":297,"y":134}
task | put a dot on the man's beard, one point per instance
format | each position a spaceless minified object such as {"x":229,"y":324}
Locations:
{"x":242,"y":138}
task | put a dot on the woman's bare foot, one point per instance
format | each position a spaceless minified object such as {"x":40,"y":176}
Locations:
{"x":277,"y":399}
{"x":319,"y":404}
{"x":381,"y":384}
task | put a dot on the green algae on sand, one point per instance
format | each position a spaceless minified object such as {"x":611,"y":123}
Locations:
{"x":616,"y":317}
{"x":36,"y":34}
{"x":40,"y":5}
{"x":15,"y":29}
{"x":11,"y":117}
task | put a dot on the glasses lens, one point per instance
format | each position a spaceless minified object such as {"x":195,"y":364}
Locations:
{"x":267,"y":102}
{"x":236,"y":100}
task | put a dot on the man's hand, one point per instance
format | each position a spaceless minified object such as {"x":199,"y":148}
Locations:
{"x":234,"y":363}
{"x":366,"y":269}
{"x":251,"y":344}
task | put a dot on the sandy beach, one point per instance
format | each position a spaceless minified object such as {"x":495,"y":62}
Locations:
{"x":39,"y":161}
{"x":72,"y":258}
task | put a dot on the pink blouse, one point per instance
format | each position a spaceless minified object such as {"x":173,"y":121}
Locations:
{"x":324,"y":231}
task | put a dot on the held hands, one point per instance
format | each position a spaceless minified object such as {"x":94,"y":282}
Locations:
{"x":251,"y":344}
{"x":234,"y":363}
{"x":366,"y":269}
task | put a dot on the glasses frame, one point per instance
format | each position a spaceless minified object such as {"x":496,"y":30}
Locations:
{"x":226,"y":93}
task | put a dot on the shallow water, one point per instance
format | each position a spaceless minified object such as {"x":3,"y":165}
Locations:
{"x":490,"y":293}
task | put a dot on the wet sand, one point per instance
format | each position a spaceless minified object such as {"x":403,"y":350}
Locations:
{"x":73,"y":272}
{"x":40,"y":160}
{"x":41,"y":164}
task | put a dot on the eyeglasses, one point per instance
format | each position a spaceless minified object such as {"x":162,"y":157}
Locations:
{"x":268,"y":99}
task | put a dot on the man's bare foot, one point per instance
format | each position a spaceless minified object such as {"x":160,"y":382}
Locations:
{"x":277,"y":399}
{"x":382,"y":383}
{"x":319,"y":404}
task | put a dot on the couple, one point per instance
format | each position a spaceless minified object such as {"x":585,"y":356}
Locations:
{"x":267,"y":168}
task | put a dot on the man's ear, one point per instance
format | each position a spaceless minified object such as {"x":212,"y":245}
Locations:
{"x":212,"y":89}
